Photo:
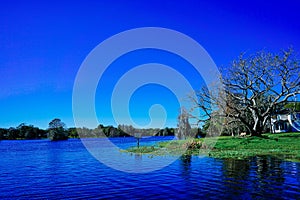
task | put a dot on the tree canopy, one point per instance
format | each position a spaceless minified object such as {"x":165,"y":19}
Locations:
{"x":56,"y":123}
{"x":57,"y":130}
{"x":253,"y":87}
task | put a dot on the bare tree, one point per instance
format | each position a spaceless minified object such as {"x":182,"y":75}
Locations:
{"x":253,"y":88}
{"x":184,"y":127}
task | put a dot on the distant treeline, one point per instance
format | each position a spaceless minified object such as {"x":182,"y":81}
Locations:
{"x":123,"y":131}
{"x":58,"y":131}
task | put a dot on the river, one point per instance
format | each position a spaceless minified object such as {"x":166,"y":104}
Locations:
{"x":40,"y":169}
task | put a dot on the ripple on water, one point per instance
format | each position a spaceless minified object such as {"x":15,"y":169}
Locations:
{"x":50,"y":170}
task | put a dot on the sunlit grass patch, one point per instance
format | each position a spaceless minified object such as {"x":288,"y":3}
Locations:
{"x":285,"y":146}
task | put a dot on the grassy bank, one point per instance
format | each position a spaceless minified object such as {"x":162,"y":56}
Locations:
{"x":285,"y":146}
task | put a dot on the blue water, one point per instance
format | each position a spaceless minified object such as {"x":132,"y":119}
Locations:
{"x":41,"y":169}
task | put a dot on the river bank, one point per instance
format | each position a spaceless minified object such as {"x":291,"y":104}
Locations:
{"x":285,"y":146}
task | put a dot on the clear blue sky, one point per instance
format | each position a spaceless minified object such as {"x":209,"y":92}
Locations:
{"x":43,"y":43}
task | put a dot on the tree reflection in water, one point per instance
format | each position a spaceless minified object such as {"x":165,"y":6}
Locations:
{"x":269,"y":177}
{"x":185,"y":161}
{"x":259,"y":177}
{"x":236,"y":174}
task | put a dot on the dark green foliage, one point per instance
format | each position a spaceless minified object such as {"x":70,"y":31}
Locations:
{"x":122,"y":131}
{"x":12,"y":133}
{"x":29,"y":132}
{"x":295,"y":106}
{"x":57,"y":130}
{"x":166,"y":132}
{"x":22,"y":131}
{"x":56,"y":123}
{"x":3,"y":133}
{"x":72,"y":133}
{"x":56,"y":134}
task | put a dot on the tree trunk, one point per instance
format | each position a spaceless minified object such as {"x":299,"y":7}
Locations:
{"x":257,"y":127}
{"x":257,"y":130}
{"x":256,"y":133}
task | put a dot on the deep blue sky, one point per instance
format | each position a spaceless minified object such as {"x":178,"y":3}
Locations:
{"x":42,"y":45}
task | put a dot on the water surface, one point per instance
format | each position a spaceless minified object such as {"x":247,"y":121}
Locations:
{"x":40,"y":169}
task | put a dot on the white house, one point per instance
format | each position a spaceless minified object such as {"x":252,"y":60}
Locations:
{"x":285,"y":122}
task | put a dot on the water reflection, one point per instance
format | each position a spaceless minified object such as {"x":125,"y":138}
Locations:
{"x":236,"y":169}
{"x":269,"y":176}
{"x":235,"y":174}
{"x":185,"y":164}
{"x":259,"y":177}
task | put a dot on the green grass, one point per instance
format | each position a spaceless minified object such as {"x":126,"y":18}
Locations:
{"x":284,"y":146}
{"x":141,"y":149}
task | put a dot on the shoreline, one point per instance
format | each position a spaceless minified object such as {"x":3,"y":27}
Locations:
{"x":284,"y":146}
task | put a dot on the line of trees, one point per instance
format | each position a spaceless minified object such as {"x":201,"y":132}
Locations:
{"x":57,"y":131}
{"x":123,"y":131}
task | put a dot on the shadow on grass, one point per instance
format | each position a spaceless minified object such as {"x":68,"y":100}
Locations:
{"x":290,"y":136}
